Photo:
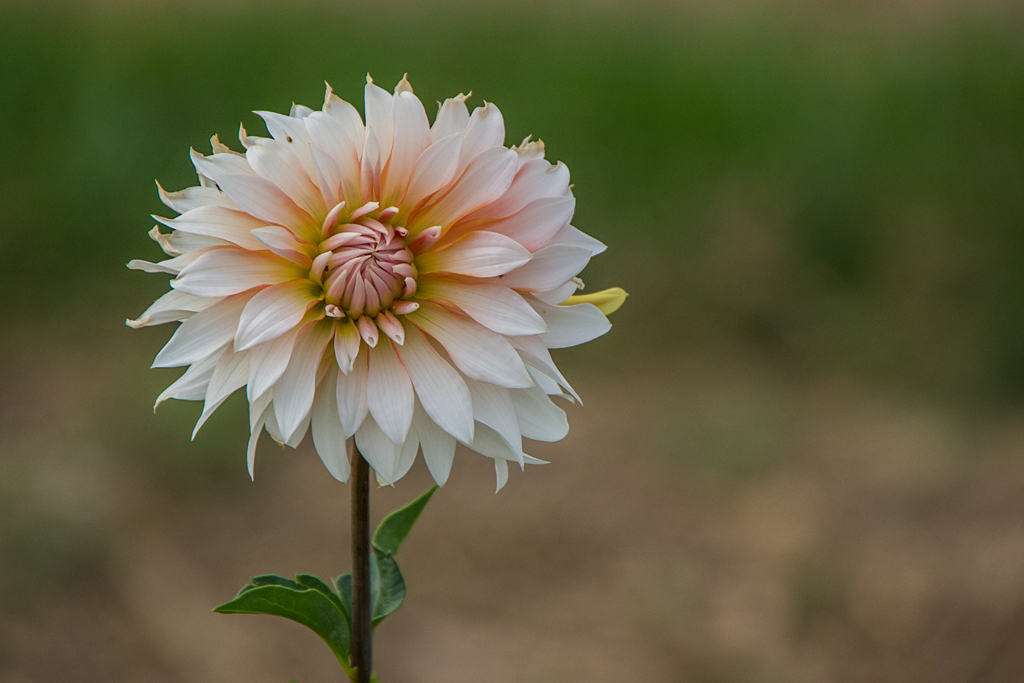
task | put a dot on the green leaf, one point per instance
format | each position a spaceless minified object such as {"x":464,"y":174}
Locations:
{"x":271,"y":580}
{"x":344,"y":585}
{"x":387,"y":587}
{"x":309,"y":606}
{"x":374,"y":581}
{"x":388,"y":593}
{"x":310,"y":581}
{"x":396,"y":526}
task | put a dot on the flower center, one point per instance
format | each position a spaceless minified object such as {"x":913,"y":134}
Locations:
{"x":366,"y":266}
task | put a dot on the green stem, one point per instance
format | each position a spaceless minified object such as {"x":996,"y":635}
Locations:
{"x":362,"y":633}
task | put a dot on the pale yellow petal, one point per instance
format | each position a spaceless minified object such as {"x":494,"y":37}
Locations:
{"x":607,"y":300}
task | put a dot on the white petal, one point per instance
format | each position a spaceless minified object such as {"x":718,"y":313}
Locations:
{"x":389,"y":393}
{"x":257,"y":406}
{"x":536,"y":179}
{"x":434,"y":169}
{"x":328,"y":436}
{"x":346,"y":344}
{"x":571,"y":325}
{"x":347,"y":115}
{"x":217,"y":166}
{"x":370,"y":167}
{"x":441,"y":390}
{"x":328,"y":177}
{"x":264,"y":200}
{"x":228,"y":376}
{"x":539,"y":418}
{"x":492,"y":406}
{"x":438,"y":446}
{"x":379,"y":119}
{"x":406,"y":457}
{"x":293,"y":393}
{"x":478,"y":352}
{"x":177,"y":243}
{"x":547,"y":383}
{"x":501,"y":470}
{"x":478,"y":254}
{"x":534,"y":226}
{"x":453,"y":117}
{"x":172,"y":266}
{"x":203,"y":333}
{"x":573,"y":237}
{"x":378,"y":450}
{"x":291,"y":131}
{"x":274,"y":311}
{"x":529,"y":151}
{"x":275,"y":161}
{"x":227,"y":271}
{"x":493,"y":306}
{"x":335,"y":140}
{"x":219,"y":223}
{"x":194,"y":197}
{"x":285,"y":244}
{"x":191,"y":386}
{"x":486,"y":178}
{"x":412,"y":137}
{"x":489,"y":443}
{"x":172,"y":306}
{"x":299,"y":434}
{"x":272,"y":428}
{"x":254,"y":436}
{"x":534,"y":352}
{"x":559,"y":294}
{"x":352,"y":408}
{"x":267,"y":362}
{"x":292,"y":440}
{"x":550,"y":267}
{"x":486,"y":130}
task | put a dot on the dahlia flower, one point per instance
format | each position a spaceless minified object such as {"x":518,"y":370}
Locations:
{"x":391,"y":285}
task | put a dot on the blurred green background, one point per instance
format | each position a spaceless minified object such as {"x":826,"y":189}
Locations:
{"x":802,"y":454}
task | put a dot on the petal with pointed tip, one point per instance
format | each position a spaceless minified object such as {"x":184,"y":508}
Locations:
{"x":438,"y":446}
{"x":274,"y":311}
{"x":492,"y":305}
{"x":219,"y":223}
{"x":442,"y":392}
{"x":389,"y":392}
{"x":478,"y":254}
{"x":478,"y":352}
{"x":329,"y":438}
{"x":352,"y":408}
{"x":550,"y":267}
{"x":571,"y":325}
{"x":227,"y":271}
{"x":293,"y":393}
{"x":203,"y":333}
{"x":264,"y":200}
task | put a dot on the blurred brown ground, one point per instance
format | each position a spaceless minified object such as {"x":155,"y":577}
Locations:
{"x":717,"y":514}
{"x":861,"y":537}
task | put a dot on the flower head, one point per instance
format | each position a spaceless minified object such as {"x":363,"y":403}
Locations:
{"x":392,"y":284}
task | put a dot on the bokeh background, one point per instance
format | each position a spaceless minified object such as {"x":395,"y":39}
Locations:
{"x":802,"y":452}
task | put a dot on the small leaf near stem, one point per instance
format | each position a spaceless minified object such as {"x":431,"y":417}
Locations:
{"x":320,"y":610}
{"x":395,"y":527}
{"x":329,"y":610}
{"x":389,"y":591}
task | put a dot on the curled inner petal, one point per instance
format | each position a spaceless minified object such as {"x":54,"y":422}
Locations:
{"x":365,"y":266}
